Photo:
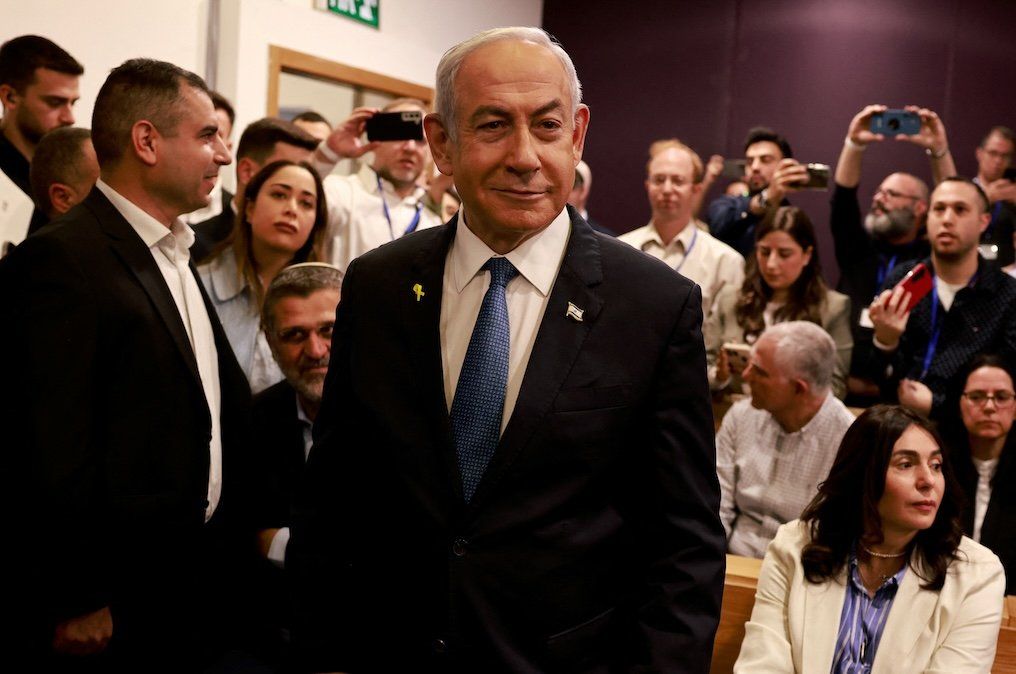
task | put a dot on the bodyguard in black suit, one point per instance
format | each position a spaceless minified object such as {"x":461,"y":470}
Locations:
{"x":586,"y":537}
{"x":122,"y":431}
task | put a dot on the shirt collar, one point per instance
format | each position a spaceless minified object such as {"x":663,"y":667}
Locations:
{"x":652,"y":235}
{"x":175,"y":241}
{"x":226,"y":280}
{"x":538,"y":258}
{"x":369,"y":178}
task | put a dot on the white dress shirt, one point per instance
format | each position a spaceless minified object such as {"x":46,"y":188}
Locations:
{"x":767,"y":476}
{"x":538,"y":260}
{"x":985,"y":471}
{"x":356,"y":215}
{"x":695,"y":253}
{"x":171,"y":251}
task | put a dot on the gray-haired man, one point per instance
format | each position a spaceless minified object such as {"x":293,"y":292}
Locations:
{"x":774,"y":449}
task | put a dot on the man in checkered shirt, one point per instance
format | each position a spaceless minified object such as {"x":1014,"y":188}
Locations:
{"x":774,"y":449}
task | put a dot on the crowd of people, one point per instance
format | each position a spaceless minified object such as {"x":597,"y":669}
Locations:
{"x":496,"y":452}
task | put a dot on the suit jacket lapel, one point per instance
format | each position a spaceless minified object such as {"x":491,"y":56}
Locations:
{"x":557,"y":345}
{"x":422,"y":319}
{"x":909,"y":616}
{"x":138,"y":259}
{"x":823,"y":604}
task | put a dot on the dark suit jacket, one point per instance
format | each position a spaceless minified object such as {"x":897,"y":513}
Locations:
{"x":107,"y":431}
{"x":277,"y":436}
{"x":998,"y":530}
{"x":213,"y":231}
{"x":593,"y":539}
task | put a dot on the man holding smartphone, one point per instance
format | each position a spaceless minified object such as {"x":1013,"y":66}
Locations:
{"x":383,"y":200}
{"x":869,"y":247}
{"x":971,"y":308}
{"x":997,"y":177}
{"x":771,"y":173}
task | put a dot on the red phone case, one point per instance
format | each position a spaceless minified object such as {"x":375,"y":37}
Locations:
{"x":917,"y":282}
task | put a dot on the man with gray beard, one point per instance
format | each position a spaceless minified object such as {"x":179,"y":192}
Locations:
{"x":892,"y":233}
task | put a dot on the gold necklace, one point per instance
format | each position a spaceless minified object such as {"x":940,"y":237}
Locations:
{"x":882,"y":555}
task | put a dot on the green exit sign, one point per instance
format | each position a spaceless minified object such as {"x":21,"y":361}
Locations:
{"x":364,"y":11}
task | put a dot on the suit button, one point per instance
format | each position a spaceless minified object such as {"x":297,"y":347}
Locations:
{"x":439,"y":646}
{"x":459,"y":547}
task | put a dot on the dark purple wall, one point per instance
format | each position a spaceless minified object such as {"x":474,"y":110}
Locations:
{"x":707,"y":71}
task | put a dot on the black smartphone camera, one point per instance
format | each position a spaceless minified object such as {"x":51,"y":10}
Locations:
{"x":895,"y":123}
{"x":1010,"y":174}
{"x":403,"y":125}
{"x":818,"y":177}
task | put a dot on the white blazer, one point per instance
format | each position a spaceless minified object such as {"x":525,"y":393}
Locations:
{"x":794,"y":623}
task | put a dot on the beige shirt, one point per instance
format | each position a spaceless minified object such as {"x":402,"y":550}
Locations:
{"x":356,"y":215}
{"x":695,"y":253}
{"x":171,"y":251}
{"x":538,"y":260}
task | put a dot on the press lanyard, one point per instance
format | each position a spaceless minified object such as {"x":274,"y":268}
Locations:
{"x":691,"y":247}
{"x":384,"y":208}
{"x":883,"y":271}
{"x":936,"y":329}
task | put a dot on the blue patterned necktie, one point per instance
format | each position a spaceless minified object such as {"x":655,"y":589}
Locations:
{"x":479,"y":395}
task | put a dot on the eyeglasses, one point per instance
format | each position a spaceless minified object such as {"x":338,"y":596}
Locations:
{"x":893,"y":194}
{"x":981,"y":398}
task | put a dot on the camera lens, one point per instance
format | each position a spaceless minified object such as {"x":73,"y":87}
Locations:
{"x":894,"y":124}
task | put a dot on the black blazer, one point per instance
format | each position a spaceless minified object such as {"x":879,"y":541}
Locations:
{"x":107,"y":432}
{"x":277,"y":436}
{"x":593,"y":539}
{"x":211,"y":232}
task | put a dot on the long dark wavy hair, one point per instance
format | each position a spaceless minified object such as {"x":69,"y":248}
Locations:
{"x":806,"y":294}
{"x":239,"y":240}
{"x":845,"y":511}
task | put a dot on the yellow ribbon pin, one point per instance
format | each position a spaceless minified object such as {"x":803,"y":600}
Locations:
{"x":418,"y":289}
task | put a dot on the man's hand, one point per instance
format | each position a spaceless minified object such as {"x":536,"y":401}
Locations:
{"x":859,"y":131}
{"x":915,"y":396}
{"x":790,"y":176}
{"x":889,"y":315}
{"x":1001,"y":190}
{"x":714,"y":167}
{"x":85,"y":634}
{"x":345,"y":140}
{"x":932,"y":134}
{"x":722,"y":367}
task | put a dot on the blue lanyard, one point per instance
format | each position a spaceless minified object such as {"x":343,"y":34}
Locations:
{"x":691,"y":246}
{"x":384,"y":208}
{"x":936,"y":329}
{"x":883,"y":271}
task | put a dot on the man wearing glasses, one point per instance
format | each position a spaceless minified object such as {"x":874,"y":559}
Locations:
{"x":994,"y":175}
{"x":868,"y":248}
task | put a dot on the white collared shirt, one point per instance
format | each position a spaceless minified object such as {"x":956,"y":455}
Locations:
{"x":538,"y":260}
{"x":708,"y":261}
{"x":356,"y":215}
{"x":171,"y":251}
{"x":985,"y":471}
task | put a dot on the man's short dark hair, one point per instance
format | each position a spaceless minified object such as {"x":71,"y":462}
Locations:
{"x":22,"y":56}
{"x":220,"y":102}
{"x":312,"y":116}
{"x":259,"y":138}
{"x":985,"y":204}
{"x":138,"y":89}
{"x":761,"y":134}
{"x":1003,"y":131}
{"x":299,"y":280}
{"x":57,"y":159}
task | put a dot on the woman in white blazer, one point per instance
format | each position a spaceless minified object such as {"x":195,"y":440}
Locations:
{"x":876,"y":575}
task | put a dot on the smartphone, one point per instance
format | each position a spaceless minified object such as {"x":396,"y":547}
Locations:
{"x":404,"y":125}
{"x":895,"y":123}
{"x":818,"y":177}
{"x":1010,"y":174}
{"x":917,"y":282}
{"x":733,"y":168}
{"x":737,"y":355}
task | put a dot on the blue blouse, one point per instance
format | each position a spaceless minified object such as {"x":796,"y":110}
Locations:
{"x":862,"y":621}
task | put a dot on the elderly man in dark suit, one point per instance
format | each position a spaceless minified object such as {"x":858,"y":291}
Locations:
{"x":123,"y":407}
{"x":513,"y":466}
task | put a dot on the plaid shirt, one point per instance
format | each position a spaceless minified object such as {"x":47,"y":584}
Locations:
{"x":767,"y":476}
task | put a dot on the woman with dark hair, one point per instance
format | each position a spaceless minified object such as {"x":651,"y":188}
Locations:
{"x":876,"y":576}
{"x":783,"y":282}
{"x":280,"y":221}
{"x":985,"y":458}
